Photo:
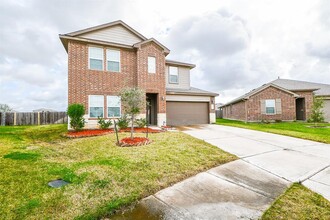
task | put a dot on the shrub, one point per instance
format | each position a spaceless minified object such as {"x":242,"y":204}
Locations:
{"x":104,"y":124}
{"x":317,"y":114}
{"x":123,"y":122}
{"x":76,"y":113}
{"x":141,"y":123}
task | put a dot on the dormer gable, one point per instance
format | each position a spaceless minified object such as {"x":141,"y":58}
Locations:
{"x":153,"y":40}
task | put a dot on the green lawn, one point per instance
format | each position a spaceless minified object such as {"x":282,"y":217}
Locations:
{"x":294,"y":129}
{"x":103,"y":176}
{"x":298,"y":202}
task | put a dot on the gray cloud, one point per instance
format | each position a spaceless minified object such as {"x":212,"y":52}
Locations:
{"x":220,"y":41}
{"x":215,"y":34}
{"x":320,"y":50}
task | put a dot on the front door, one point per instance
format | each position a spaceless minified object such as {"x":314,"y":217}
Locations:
{"x":151,"y":113}
{"x":300,"y":109}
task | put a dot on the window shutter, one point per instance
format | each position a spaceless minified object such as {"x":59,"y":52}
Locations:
{"x":278,"y":105}
{"x":263,"y":106}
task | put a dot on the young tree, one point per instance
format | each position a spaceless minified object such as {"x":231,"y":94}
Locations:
{"x":3,"y":109}
{"x":132,"y":100}
{"x":76,"y":113}
{"x":317,"y":114}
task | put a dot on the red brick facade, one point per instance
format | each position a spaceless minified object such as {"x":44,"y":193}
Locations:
{"x":250,"y":109}
{"x":235,"y":111}
{"x":152,"y":82}
{"x":83,"y":82}
{"x":309,"y":97}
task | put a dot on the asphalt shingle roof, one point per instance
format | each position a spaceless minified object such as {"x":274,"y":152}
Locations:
{"x":319,"y":89}
{"x":296,"y":85}
{"x":191,"y":90}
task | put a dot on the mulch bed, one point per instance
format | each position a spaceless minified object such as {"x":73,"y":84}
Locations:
{"x":88,"y":133}
{"x":98,"y":132}
{"x":136,"y":141}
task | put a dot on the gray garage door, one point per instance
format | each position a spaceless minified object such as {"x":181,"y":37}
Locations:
{"x":187,"y":113}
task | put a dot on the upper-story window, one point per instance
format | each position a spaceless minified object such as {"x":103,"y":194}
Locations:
{"x":151,"y":65}
{"x":173,"y":74}
{"x":95,"y":56}
{"x":113,"y":60}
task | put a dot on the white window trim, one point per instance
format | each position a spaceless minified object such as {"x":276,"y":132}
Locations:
{"x":89,"y":58}
{"x":112,"y":106}
{"x":154,"y":70}
{"x":169,"y":74}
{"x":106,"y":57}
{"x":89,"y":101}
{"x":270,"y":106}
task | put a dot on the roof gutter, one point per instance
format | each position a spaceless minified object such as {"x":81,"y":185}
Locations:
{"x":193,"y":94}
{"x":65,"y":38}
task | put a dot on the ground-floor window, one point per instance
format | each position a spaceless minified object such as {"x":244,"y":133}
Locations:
{"x":114,"y":106}
{"x":270,"y":106}
{"x":96,"y":106}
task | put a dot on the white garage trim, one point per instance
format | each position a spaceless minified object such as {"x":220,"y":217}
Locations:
{"x":187,"y":98}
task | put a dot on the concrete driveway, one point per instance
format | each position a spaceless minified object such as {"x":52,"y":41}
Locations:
{"x":245,"y":188}
{"x":292,"y":159}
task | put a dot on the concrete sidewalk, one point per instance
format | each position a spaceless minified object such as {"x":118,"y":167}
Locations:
{"x":245,"y":188}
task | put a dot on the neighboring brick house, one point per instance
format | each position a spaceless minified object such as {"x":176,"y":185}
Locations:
{"x":106,"y":58}
{"x":281,"y":99}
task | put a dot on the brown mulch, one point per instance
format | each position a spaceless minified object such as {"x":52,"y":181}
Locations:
{"x":88,"y":133}
{"x":98,"y":132}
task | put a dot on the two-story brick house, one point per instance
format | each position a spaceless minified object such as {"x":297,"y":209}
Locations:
{"x":106,"y":58}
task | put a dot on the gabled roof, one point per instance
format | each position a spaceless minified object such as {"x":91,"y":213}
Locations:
{"x":259,"y":89}
{"x":177,"y":63}
{"x":190,"y":91}
{"x":290,"y":86}
{"x":107,"y":25}
{"x":138,"y":45}
{"x":319,"y":89}
{"x":79,"y":35}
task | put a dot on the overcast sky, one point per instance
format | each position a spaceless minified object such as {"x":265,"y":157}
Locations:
{"x":237,"y":45}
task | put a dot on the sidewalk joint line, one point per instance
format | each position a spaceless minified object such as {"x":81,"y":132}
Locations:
{"x":269,"y":171}
{"x":266,"y":152}
{"x":313,"y":174}
{"x":318,"y":182}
